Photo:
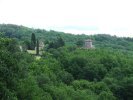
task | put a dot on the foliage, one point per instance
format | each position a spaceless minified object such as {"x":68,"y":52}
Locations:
{"x":64,"y":71}
{"x":33,"y":41}
{"x":37,"y":47}
{"x":22,"y":33}
{"x":56,"y":44}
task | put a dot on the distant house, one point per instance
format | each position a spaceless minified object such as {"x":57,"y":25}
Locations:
{"x":20,"y":47}
{"x":41,"y":45}
{"x":88,"y":44}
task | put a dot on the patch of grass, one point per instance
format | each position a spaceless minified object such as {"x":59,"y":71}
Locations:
{"x":38,"y":57}
{"x":31,"y":51}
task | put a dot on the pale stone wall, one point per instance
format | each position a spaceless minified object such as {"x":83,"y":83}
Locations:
{"x":88,"y":43}
{"x":41,"y":45}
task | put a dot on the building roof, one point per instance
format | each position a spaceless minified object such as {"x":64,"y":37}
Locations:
{"x":88,"y":40}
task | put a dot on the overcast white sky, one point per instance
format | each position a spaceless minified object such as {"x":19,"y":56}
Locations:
{"x":74,"y":16}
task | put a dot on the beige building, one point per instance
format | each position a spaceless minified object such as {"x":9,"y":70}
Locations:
{"x":41,"y":45}
{"x":88,"y":44}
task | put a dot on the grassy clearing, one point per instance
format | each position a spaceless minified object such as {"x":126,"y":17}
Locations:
{"x":31,"y":51}
{"x":38,"y":57}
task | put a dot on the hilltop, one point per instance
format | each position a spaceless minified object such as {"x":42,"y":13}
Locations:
{"x":22,"y":33}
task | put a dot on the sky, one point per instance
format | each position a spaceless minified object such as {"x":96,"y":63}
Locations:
{"x":114,"y":17}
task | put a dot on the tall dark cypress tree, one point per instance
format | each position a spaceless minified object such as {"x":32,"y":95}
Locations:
{"x":33,"y":41}
{"x":37,"y":47}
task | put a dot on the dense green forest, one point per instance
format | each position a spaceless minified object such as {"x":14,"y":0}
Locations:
{"x":65,"y":71}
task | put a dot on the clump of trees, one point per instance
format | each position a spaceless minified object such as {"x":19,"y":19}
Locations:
{"x":59,"y":42}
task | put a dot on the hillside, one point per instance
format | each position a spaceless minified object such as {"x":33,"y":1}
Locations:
{"x":65,"y":70}
{"x":22,"y":33}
